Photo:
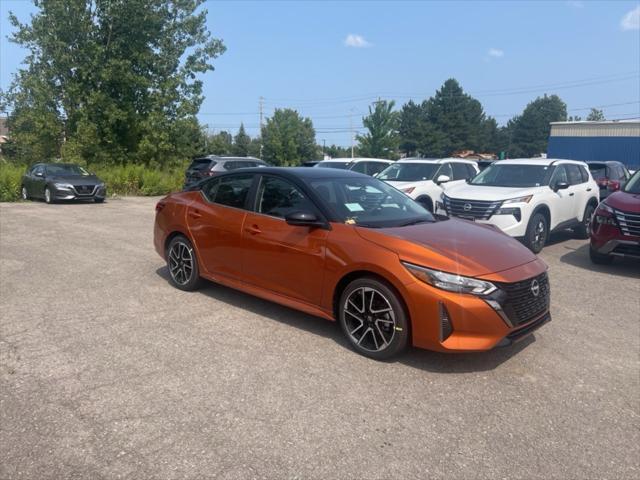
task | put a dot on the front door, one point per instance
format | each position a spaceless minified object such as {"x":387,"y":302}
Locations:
{"x":280,"y":257}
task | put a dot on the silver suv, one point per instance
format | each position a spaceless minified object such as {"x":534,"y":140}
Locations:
{"x":212,"y":165}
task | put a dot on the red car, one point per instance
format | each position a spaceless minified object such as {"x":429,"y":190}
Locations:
{"x":615,"y":226}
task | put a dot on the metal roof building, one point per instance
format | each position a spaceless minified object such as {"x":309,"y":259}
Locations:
{"x":607,"y":140}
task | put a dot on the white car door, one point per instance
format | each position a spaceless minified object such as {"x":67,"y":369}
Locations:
{"x":563,"y":203}
{"x":579,"y":188}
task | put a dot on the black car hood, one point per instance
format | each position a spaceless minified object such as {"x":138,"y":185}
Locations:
{"x":77,"y":179}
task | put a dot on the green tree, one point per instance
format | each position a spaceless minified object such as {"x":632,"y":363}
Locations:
{"x":335,"y":151}
{"x":412,"y":128}
{"x":381,"y":140}
{"x":529,"y":133}
{"x":595,"y":115}
{"x":288,"y":139}
{"x":241,"y":142}
{"x":220,"y":143}
{"x":114,"y":81}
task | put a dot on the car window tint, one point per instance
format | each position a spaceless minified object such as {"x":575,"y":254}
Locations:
{"x":460,"y":171}
{"x":233,"y":165}
{"x":560,"y":175}
{"x":471,"y":172}
{"x":375,"y":167}
{"x":231,"y":191}
{"x":359,"y":167}
{"x":573,"y":172}
{"x":619,"y":172}
{"x":38,"y":169}
{"x":585,"y":174}
{"x":278,"y":198}
{"x":445,"y":169}
{"x":201,"y":164}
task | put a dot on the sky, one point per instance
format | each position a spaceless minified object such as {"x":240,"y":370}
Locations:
{"x":330,"y":60}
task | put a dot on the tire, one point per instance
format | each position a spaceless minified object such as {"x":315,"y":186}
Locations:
{"x":47,"y":196}
{"x":24,"y":193}
{"x":426,"y":203}
{"x":537,"y":233}
{"x":380,"y":336}
{"x":582,"y":231}
{"x":183,"y":264}
{"x":599,"y":258}
{"x":98,"y":200}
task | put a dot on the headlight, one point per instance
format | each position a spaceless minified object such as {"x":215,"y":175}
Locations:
{"x":605,"y":215}
{"x":65,"y":186}
{"x":525,"y":199}
{"x":450,"y":281}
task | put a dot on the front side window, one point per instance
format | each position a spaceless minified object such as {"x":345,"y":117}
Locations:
{"x":368,"y":202}
{"x":37,"y":170}
{"x":573,"y":172}
{"x":445,"y":169}
{"x":360,"y":167}
{"x":279,"y":198}
{"x":231,"y":191}
{"x":633,"y":185}
{"x":408,"y":172}
{"x":375,"y":167}
{"x":460,"y":171}
{"x":513,"y":175}
{"x":560,"y":175}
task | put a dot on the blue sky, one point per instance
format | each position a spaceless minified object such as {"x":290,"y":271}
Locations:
{"x":329,"y":60}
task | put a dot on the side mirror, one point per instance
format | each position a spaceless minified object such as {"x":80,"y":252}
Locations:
{"x":303,"y":219}
{"x":442,"y":179}
{"x":39,"y":174}
{"x":560,"y":186}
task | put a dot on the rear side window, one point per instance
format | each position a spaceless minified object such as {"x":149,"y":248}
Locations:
{"x":279,"y":198}
{"x":460,"y":171}
{"x":574,"y":175}
{"x":234,"y":165}
{"x":360,"y":167}
{"x":598,"y":170}
{"x":618,"y":172}
{"x":375,"y":167}
{"x":231,"y":191}
{"x":202,"y":164}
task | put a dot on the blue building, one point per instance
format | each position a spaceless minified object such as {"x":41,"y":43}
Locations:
{"x":607,"y":140}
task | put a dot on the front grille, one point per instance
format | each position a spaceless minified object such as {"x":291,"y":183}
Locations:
{"x":629,"y":223}
{"x":477,"y":209}
{"x":84,"y":189}
{"x":521,"y":304}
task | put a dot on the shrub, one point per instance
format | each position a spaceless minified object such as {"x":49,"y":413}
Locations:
{"x":10,"y":177}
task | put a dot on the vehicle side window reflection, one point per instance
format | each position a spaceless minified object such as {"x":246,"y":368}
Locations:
{"x":573,"y":172}
{"x":359,"y":167}
{"x":560,"y":175}
{"x":460,"y":171}
{"x":278,"y":198}
{"x":445,"y":169}
{"x":230,"y":191}
{"x":375,"y":167}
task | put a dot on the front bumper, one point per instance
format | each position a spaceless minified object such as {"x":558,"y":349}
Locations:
{"x":508,"y":223}
{"x":609,"y":240}
{"x":78,"y":193}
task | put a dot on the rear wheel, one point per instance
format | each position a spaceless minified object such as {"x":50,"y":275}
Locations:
{"x":599,"y":258}
{"x":373,"y":319}
{"x":24,"y":193}
{"x":182,"y":264}
{"x":537,"y":231}
{"x":582,"y":231}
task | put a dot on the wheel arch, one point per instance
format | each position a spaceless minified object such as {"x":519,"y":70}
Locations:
{"x":546,"y":211}
{"x":426,"y":198}
{"x":172,"y":235}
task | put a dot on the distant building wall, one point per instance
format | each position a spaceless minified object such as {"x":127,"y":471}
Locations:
{"x":596,"y":141}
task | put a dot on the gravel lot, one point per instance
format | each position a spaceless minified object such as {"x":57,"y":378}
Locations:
{"x":106,"y":371}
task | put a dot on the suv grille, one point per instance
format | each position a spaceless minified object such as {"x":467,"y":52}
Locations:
{"x":629,"y":222}
{"x":521,"y":304}
{"x":477,"y":209}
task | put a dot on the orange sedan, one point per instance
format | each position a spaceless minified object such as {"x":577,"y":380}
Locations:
{"x":347,"y":247}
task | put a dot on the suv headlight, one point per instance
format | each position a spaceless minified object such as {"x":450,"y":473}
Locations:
{"x":450,"y":281}
{"x":525,"y":199}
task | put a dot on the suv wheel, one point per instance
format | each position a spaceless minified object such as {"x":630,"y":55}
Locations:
{"x":373,"y":319}
{"x":599,"y":258}
{"x":582,"y":231}
{"x":537,"y":231}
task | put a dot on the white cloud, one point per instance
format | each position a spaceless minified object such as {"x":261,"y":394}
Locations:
{"x":631,"y":21}
{"x":495,"y":52}
{"x":575,"y":3}
{"x":356,"y":41}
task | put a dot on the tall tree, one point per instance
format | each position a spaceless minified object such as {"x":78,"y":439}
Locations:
{"x":220,"y":143}
{"x":529,"y":132}
{"x":381,"y":140}
{"x":595,"y":115}
{"x":241,"y":142}
{"x":112,"y":80}
{"x":288,"y":139}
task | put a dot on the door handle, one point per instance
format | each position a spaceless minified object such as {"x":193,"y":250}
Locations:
{"x":253,"y":230}
{"x":588,"y":189}
{"x":571,"y":194}
{"x":195,"y":214}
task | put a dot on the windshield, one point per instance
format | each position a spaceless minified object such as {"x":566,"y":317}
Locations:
{"x":511,"y":175}
{"x":368,"y":202}
{"x":633,"y":184}
{"x":598,"y":170}
{"x":62,"y":169}
{"x":408,"y":172}
{"x":340,"y":165}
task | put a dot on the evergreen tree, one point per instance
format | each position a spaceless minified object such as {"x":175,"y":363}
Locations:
{"x":241,"y":142}
{"x":288,"y":139}
{"x":381,"y":140}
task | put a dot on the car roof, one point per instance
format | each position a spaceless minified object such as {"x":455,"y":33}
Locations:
{"x":299,"y":172}
{"x":606,"y":162}
{"x":538,"y":161}
{"x":218,"y":158}
{"x":356,"y":160}
{"x":436,"y":160}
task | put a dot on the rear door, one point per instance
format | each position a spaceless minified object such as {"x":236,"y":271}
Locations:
{"x":282,"y":258}
{"x":579,"y":189}
{"x":215,"y":221}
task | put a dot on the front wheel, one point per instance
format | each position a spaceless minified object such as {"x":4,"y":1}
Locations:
{"x":582,"y":231}
{"x":47,"y":195}
{"x":24,"y":193}
{"x":98,"y":200}
{"x":537,"y":231}
{"x":182,"y":264}
{"x":426,"y":203}
{"x":373,"y":319}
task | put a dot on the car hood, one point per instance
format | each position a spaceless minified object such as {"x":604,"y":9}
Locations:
{"x":77,"y":179}
{"x":452,"y":245}
{"x":401,"y":185}
{"x":477,"y":192}
{"x":627,"y":202}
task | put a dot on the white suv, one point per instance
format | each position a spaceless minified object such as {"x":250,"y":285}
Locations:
{"x":368,"y":166}
{"x":423,"y":179}
{"x":527,"y":198}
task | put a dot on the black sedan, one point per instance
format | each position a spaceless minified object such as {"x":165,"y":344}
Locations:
{"x":62,"y":181}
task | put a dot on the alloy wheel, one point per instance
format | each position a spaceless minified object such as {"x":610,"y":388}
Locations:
{"x":47,"y":195}
{"x":539,"y":234}
{"x":181,"y":263}
{"x":369,"y":318}
{"x":25,"y":195}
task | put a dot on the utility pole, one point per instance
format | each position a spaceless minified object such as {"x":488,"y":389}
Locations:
{"x":260,"y":103}
{"x":351,"y":129}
